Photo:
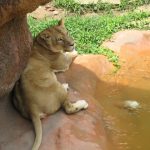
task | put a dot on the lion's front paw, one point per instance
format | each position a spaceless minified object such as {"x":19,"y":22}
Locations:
{"x":81,"y":104}
{"x":66,"y":86}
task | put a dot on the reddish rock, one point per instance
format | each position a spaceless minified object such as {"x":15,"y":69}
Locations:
{"x":83,"y":130}
{"x":15,"y":40}
{"x":128,"y":37}
{"x":135,"y":61}
{"x":10,"y":9}
{"x":139,"y":47}
{"x":133,"y":48}
{"x":15,"y":47}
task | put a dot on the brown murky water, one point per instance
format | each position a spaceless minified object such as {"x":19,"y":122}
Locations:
{"x":128,"y":130}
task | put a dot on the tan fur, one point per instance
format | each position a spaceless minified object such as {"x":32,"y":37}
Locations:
{"x":38,"y":93}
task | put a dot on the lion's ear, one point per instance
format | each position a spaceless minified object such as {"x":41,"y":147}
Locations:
{"x":44,"y":36}
{"x":61,"y":22}
{"x":42,"y":40}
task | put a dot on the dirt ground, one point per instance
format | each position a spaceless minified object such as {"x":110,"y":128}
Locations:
{"x":49,"y":11}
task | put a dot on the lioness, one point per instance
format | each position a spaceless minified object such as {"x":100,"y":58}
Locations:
{"x":38,"y":93}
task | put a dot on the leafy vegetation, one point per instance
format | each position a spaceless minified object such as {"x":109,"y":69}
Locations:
{"x":75,"y":7}
{"x":90,"y":32}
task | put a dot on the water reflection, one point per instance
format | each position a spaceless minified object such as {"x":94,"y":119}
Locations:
{"x":129,"y":130}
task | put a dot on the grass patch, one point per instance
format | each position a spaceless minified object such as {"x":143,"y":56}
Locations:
{"x":132,"y":4}
{"x":89,"y":32}
{"x":72,"y":6}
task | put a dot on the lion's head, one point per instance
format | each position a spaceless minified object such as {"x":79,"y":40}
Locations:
{"x":56,"y":38}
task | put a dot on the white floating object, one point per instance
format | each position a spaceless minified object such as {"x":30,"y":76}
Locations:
{"x":131,"y":104}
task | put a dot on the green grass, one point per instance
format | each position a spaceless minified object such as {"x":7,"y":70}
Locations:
{"x":127,"y":4}
{"x":74,"y":7}
{"x":90,"y":32}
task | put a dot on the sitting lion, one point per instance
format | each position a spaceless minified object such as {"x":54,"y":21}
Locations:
{"x":38,"y":92}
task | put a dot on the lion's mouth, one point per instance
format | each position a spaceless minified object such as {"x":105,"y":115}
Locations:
{"x":71,"y":48}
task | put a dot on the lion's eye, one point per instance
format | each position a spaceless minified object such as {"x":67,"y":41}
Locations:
{"x":59,"y":39}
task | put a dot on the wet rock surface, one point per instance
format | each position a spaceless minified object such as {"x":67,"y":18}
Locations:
{"x":131,"y":82}
{"x":15,"y":40}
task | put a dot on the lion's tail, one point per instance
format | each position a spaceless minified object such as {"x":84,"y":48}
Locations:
{"x":38,"y":131}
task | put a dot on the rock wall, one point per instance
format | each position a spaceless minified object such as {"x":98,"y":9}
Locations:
{"x":15,"y":40}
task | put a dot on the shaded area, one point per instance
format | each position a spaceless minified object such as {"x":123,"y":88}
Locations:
{"x":15,"y":40}
{"x":10,"y":9}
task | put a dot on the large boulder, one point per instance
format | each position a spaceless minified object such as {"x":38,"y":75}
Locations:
{"x":10,"y":9}
{"x":83,"y":130}
{"x":15,"y":40}
{"x":15,"y":47}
